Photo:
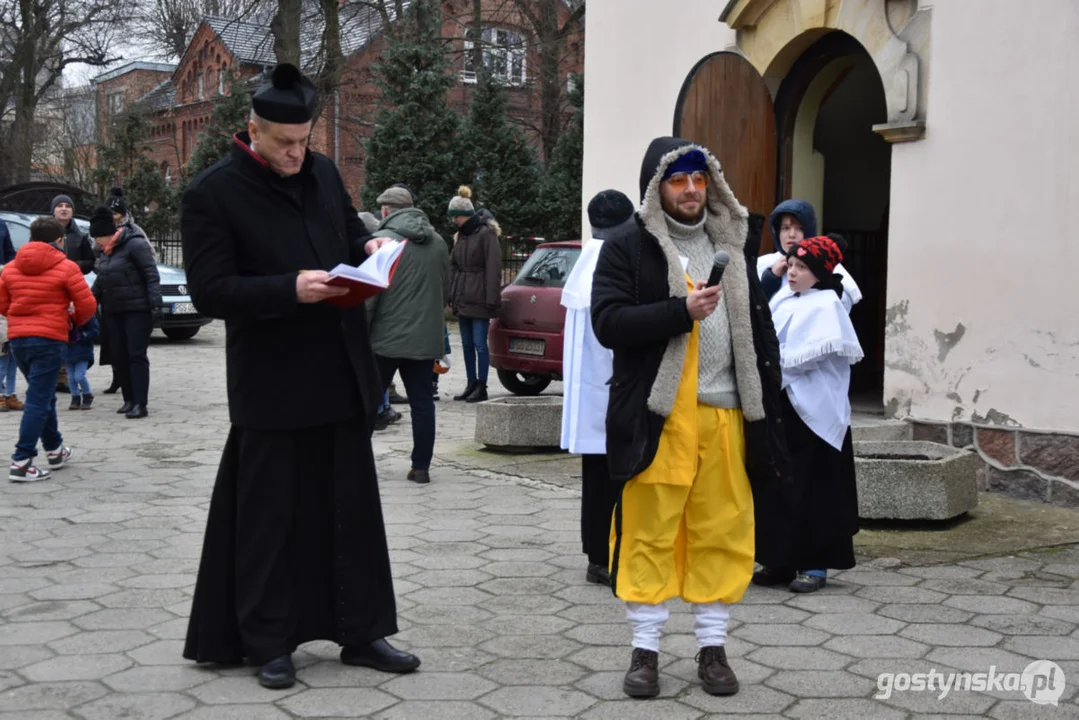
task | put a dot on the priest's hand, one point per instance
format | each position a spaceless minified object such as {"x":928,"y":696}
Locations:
{"x":372,"y":246}
{"x":311,"y":287}
{"x":702,"y":301}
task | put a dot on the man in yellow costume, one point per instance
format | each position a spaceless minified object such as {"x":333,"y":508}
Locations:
{"x":694,"y":406}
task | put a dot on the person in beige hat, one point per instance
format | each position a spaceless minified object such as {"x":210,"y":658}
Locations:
{"x":475,"y":289}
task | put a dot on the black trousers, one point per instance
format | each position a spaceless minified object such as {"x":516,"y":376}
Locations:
{"x":598,"y":496}
{"x":416,"y":376}
{"x":128,"y":335}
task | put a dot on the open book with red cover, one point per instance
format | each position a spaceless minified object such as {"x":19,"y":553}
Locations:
{"x":369,"y":278}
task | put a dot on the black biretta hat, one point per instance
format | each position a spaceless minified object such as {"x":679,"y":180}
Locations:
{"x":288,"y":97}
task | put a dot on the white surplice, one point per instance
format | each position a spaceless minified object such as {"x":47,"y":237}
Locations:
{"x":586,"y":365}
{"x":817,"y":346}
{"x":852,"y":294}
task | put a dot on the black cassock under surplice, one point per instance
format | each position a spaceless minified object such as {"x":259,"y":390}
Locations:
{"x":295,"y":547}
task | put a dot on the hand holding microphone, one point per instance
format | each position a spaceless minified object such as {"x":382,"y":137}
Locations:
{"x":704,"y":300}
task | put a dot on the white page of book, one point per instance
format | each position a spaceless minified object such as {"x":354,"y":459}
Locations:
{"x":375,"y":270}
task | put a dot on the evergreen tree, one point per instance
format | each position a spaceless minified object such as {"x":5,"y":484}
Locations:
{"x":229,"y":117}
{"x":152,"y":202}
{"x":560,"y":199}
{"x":505,"y":169}
{"x":415,"y":136}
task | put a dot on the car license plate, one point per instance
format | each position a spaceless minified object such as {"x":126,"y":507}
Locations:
{"x":523,"y":346}
{"x":183,"y":309}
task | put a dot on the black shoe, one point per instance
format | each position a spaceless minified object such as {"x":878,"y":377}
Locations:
{"x":87,"y":401}
{"x":468,"y":390}
{"x":434,"y":390}
{"x":642,"y":678}
{"x":76,"y":403}
{"x":379,"y":655}
{"x":419,"y":476}
{"x":125,"y":408}
{"x":136,"y":412}
{"x":396,"y":399}
{"x":597,"y":574}
{"x":112,"y":390}
{"x":478,"y":394}
{"x":278,"y":674}
{"x":62,"y":388}
{"x":767,"y":577}
{"x":806,"y":583}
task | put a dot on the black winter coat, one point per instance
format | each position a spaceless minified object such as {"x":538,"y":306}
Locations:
{"x":127,"y":280}
{"x":247,"y":233}
{"x":632,"y":263}
{"x":79,"y":248}
{"x":636,"y":313}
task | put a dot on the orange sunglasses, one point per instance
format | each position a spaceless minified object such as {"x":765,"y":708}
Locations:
{"x":679,"y":182}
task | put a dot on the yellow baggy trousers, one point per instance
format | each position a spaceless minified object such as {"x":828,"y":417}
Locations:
{"x":684,"y":526}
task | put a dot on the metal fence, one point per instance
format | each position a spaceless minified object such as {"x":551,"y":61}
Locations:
{"x":515,"y":251}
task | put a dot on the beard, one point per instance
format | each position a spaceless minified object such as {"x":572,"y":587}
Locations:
{"x":684,"y":216}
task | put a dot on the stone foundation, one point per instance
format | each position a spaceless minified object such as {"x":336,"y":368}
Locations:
{"x":1018,"y":463}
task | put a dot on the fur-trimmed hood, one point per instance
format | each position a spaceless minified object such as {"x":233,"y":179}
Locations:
{"x":726,"y":226}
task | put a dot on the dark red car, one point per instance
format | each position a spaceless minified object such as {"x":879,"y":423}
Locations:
{"x":525,"y":341}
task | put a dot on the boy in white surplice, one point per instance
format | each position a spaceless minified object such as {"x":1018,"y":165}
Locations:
{"x":817,"y":347}
{"x":586,"y":372}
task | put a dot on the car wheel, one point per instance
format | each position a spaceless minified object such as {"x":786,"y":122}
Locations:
{"x":523,"y":383}
{"x":180,"y":333}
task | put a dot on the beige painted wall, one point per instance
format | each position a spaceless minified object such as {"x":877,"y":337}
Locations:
{"x":984,"y":311}
{"x":981,"y":221}
{"x":637,"y":55}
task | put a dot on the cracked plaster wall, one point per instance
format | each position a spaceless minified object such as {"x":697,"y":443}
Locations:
{"x":983,"y":323}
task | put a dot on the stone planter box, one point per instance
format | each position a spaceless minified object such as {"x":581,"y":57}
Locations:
{"x":914,"y":480}
{"x":509,"y":423}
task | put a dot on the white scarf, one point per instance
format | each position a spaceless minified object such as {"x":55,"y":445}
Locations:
{"x":817,"y":346}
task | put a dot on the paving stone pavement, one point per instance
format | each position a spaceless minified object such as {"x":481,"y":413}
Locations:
{"x":97,"y":568}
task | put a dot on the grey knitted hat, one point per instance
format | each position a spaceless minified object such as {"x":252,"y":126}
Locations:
{"x":395,"y":197}
{"x":461,"y":204}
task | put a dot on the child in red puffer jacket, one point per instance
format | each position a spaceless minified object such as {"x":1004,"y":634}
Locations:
{"x":36,"y":291}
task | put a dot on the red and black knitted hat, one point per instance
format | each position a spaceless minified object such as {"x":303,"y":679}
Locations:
{"x":820,"y":253}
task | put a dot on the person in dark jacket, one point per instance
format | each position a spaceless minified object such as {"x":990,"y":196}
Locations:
{"x":7,"y":248}
{"x":475,"y":289}
{"x":80,"y":358}
{"x":295,"y":546}
{"x":76,"y":243}
{"x":694,"y":409}
{"x":129,"y":291}
{"x":407,"y":319}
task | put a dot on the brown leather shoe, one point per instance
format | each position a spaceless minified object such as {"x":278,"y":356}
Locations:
{"x":714,"y":672}
{"x":642,"y":678}
{"x":13,"y":402}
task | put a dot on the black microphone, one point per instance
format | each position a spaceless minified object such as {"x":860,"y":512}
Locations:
{"x":718,"y":266}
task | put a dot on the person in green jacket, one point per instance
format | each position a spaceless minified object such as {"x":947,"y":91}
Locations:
{"x":407,"y":320}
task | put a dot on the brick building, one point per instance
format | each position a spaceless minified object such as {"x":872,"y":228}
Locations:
{"x":180,"y":98}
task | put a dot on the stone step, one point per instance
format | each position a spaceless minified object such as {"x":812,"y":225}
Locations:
{"x":873,"y":428}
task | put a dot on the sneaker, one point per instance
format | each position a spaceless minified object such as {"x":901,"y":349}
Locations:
{"x":76,"y":403}
{"x":87,"y":401}
{"x":13,"y":402}
{"x":58,"y":458}
{"x":25,"y":471}
{"x":806,"y":583}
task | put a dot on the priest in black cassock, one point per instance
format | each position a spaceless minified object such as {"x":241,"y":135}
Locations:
{"x":295,"y":546}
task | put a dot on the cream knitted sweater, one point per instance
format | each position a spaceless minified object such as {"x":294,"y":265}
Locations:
{"x":717,"y":386}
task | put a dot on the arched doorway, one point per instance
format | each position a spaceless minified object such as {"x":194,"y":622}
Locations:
{"x":822,"y":149}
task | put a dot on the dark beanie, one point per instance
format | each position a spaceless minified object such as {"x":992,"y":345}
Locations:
{"x":61,"y":199}
{"x":607,"y":210}
{"x":101,"y":222}
{"x":116,"y":201}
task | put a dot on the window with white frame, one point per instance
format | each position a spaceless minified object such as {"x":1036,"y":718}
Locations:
{"x":504,"y":54}
{"x":221,"y":81}
{"x":201,"y":81}
{"x":116,"y":102}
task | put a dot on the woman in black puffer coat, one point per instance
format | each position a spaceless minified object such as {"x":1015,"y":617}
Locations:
{"x":128,"y":289}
